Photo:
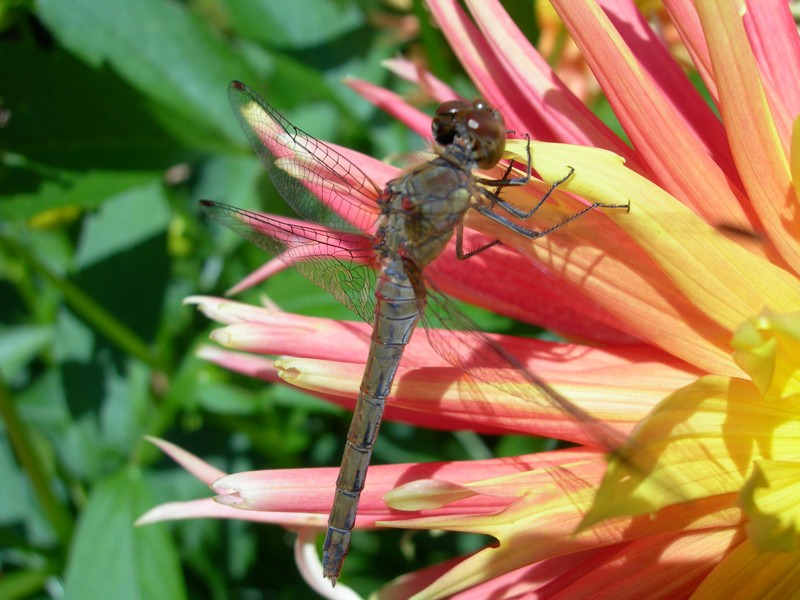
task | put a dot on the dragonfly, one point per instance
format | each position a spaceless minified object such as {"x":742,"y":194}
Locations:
{"x":381,"y":276}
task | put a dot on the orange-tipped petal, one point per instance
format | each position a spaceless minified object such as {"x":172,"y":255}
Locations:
{"x":795,"y":158}
{"x":684,"y":17}
{"x":772,"y":33}
{"x":534,"y":530}
{"x":757,"y":148}
{"x":693,"y":166}
{"x":485,"y":68}
{"x":571,"y":121}
{"x":715,"y":278}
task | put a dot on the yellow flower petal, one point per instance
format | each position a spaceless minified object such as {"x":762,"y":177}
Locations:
{"x":701,"y":441}
{"x":770,"y":501}
{"x":768,"y":348}
{"x":747,"y":573}
{"x":795,"y":158}
{"x":702,"y":285}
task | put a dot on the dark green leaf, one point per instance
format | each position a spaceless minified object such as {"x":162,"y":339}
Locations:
{"x":65,"y":114}
{"x":125,"y":242}
{"x":31,"y":192}
{"x":160,"y":48}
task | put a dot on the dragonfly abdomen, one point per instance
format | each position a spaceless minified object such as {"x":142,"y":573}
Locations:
{"x":396,"y":315}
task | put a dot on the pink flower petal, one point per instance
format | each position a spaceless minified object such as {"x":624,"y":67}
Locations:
{"x":393,"y":105}
{"x":570,"y":119}
{"x":776,"y":46}
{"x":755,"y":141}
{"x":696,"y":173}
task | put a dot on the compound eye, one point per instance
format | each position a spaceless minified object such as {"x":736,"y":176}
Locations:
{"x":484,"y":124}
{"x":488,"y":135}
{"x":452,"y":106}
{"x":480,"y":104}
{"x":448,"y":115}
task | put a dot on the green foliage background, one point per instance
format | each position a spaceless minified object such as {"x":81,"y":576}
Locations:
{"x":114,"y":121}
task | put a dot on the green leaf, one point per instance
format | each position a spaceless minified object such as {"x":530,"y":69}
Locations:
{"x":297,"y":24}
{"x":124,"y":222}
{"x":125,"y":242}
{"x":161,"y":49}
{"x":65,"y":114}
{"x":15,"y":496}
{"x":21,"y":344}
{"x":225,"y":399}
{"x":110,"y":558}
{"x":30,"y":192}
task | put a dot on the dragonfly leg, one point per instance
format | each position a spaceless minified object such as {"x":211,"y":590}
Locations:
{"x":507,"y":181}
{"x":534,"y":234}
{"x":495,"y":200}
{"x":460,"y":254}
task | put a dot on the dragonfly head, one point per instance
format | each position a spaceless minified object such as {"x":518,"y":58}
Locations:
{"x":476,"y":126}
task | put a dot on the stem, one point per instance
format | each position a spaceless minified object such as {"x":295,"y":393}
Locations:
{"x":29,"y":459}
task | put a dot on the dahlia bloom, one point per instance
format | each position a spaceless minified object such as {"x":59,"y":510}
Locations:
{"x":686,"y":305}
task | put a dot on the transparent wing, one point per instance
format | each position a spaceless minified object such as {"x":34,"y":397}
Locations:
{"x":340,"y":262}
{"x":457,"y":339}
{"x":319,"y":183}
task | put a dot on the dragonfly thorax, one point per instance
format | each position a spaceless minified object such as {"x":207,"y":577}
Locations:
{"x":421,"y":209}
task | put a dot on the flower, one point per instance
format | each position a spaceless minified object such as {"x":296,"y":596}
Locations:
{"x":678,"y":298}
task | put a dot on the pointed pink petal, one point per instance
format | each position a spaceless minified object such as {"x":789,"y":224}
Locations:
{"x":239,"y":362}
{"x":263,"y":273}
{"x":275,"y":332}
{"x":393,"y":105}
{"x":571,"y":121}
{"x":692,"y":169}
{"x":205,"y":472}
{"x":684,"y":16}
{"x":211,"y":508}
{"x":757,"y":147}
{"x":451,"y":398}
{"x":495,"y":84}
{"x":776,"y":46}
{"x":311,"y":491}
{"x":204,"y":508}
{"x":431,"y":85}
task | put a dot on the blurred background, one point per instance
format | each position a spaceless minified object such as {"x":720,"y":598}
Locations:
{"x":114,"y":122}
